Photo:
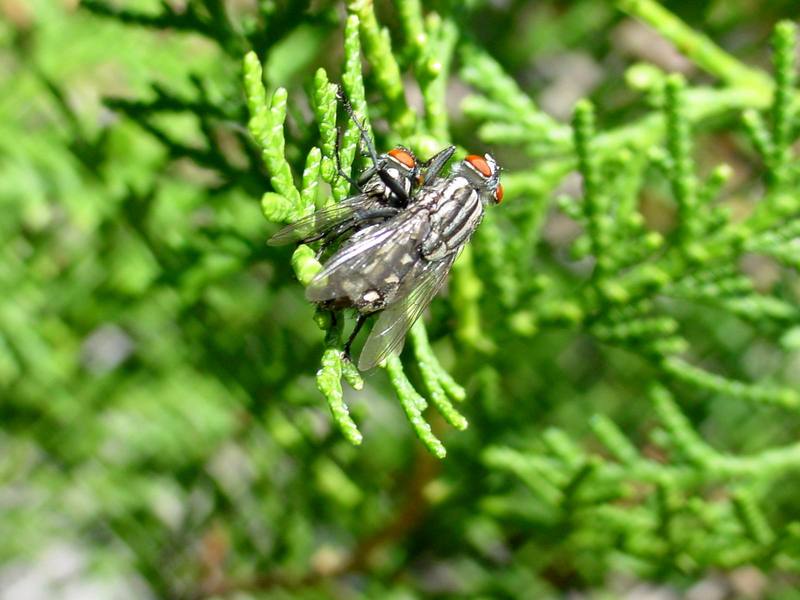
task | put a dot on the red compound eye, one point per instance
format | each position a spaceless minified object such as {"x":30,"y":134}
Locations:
{"x":480,"y":164}
{"x":498,"y":193}
{"x":404,"y":157}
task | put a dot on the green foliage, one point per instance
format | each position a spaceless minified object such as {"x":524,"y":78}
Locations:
{"x":625,"y":351}
{"x":266,"y":126}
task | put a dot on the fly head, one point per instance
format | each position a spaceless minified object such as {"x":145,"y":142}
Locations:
{"x":483,"y":173}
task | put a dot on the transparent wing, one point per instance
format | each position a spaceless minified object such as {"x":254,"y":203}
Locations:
{"x":415,"y":293}
{"x":324,"y":221}
{"x":376,"y":259}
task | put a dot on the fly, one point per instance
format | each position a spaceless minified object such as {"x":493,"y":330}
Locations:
{"x":397,"y":266}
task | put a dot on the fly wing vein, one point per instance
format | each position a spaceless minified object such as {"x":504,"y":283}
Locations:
{"x":366,"y":261}
{"x":415,"y":294}
{"x":320,"y":222}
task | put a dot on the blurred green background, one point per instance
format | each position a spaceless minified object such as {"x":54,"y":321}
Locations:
{"x":161,"y":434}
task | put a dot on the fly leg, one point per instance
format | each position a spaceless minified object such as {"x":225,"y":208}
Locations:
{"x":339,"y":169}
{"x":396,"y":188}
{"x":359,"y":324}
{"x":435,"y":164}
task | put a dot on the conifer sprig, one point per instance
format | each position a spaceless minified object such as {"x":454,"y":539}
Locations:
{"x":288,"y":204}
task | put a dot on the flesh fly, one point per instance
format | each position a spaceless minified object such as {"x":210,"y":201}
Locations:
{"x":397,"y":266}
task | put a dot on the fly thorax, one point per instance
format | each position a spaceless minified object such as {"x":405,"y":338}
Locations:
{"x":453,"y":218}
{"x":458,"y":215}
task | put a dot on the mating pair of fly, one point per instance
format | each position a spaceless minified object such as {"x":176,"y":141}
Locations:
{"x":398,"y":238}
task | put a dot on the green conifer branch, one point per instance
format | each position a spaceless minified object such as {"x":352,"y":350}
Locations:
{"x":324,"y":103}
{"x":329,"y":384}
{"x":697,"y":47}
{"x":310,"y":182}
{"x":783,"y":107}
{"x":595,"y":206}
{"x":206,"y":17}
{"x":695,"y":477}
{"x":711,"y":189}
{"x":354,"y":87}
{"x":682,"y":169}
{"x":266,"y":126}
{"x":466,"y":289}
{"x":433,"y":71}
{"x":413,"y":404}
{"x":505,"y":99}
{"x":752,"y":518}
{"x":652,"y":536}
{"x":499,"y":260}
{"x":305,"y":264}
{"x":614,"y":440}
{"x":681,"y":434}
{"x":723,"y":286}
{"x":378,"y":52}
{"x":758,"y":393}
{"x":758,"y":133}
{"x":439,"y":383}
{"x":563,"y":448}
{"x":412,"y":21}
{"x":631,"y":277}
